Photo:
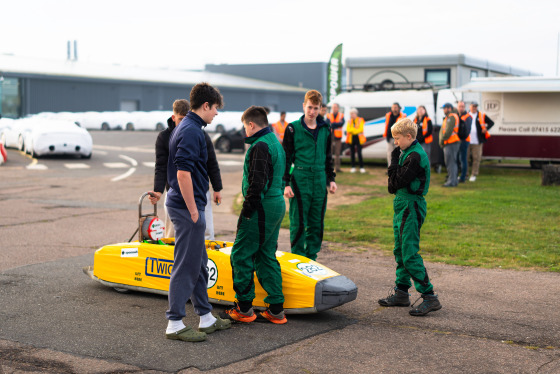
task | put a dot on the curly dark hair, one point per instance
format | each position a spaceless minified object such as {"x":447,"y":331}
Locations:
{"x":205,"y":93}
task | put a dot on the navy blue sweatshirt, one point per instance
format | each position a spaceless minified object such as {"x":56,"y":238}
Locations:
{"x":187,"y":152}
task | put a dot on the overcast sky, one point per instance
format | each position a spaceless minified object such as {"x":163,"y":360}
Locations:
{"x":187,"y":34}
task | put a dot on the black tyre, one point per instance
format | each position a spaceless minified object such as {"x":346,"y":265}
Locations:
{"x":129,"y":127}
{"x":224,"y":145}
{"x":537,"y":164}
{"x":87,"y":156}
{"x":160,"y":127}
{"x":121,"y":290}
{"x":105,"y":126}
{"x":220,"y":129}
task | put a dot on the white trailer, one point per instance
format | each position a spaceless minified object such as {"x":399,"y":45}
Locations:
{"x":526,"y":115}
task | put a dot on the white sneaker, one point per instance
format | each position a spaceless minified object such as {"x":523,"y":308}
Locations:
{"x":353,"y":170}
{"x":472,"y":178}
{"x":362,"y":170}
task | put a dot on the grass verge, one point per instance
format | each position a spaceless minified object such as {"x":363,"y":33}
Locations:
{"x":505,"y":219}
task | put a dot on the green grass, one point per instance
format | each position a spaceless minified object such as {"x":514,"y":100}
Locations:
{"x":505,"y":219}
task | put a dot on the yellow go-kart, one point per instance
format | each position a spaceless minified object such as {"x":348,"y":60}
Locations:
{"x":146,"y":265}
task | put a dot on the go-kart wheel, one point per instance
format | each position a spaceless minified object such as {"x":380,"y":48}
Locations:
{"x":159,"y":127}
{"x":220,"y":129}
{"x":105,"y":126}
{"x":121,"y":290}
{"x":129,"y":126}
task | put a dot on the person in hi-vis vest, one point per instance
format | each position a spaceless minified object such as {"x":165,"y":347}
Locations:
{"x":425,"y":128}
{"x":390,"y":119}
{"x":478,"y":136}
{"x":355,"y":138}
{"x":450,"y":142}
{"x":336,"y":120}
{"x":280,"y":127}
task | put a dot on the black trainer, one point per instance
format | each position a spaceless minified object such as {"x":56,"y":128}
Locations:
{"x":429,"y":304}
{"x":397,"y":298}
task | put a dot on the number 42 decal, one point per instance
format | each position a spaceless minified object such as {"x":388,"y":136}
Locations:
{"x":212,"y":273}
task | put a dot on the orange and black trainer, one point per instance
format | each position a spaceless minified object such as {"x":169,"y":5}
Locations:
{"x":278,"y":319}
{"x":236,"y":314}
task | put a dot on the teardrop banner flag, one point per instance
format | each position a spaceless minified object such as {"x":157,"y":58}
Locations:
{"x":334,"y":73}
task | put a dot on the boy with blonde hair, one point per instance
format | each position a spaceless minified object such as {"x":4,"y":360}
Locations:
{"x":409,"y":179}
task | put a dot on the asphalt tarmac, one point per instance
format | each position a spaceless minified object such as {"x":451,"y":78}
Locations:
{"x":54,"y":319}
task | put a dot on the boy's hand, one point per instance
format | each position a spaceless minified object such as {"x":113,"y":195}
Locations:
{"x":396,"y":153}
{"x":332,"y":187}
{"x":194,"y":216}
{"x":154,"y":197}
{"x":217,"y":197}
{"x":288,"y":192}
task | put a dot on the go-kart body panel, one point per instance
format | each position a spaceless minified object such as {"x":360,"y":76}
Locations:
{"x":308,"y":286}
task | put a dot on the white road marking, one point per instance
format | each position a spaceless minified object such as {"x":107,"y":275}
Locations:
{"x":230,"y":163}
{"x":125,"y":175}
{"x":124,"y":149}
{"x":115,"y":165}
{"x":34,"y":165}
{"x":129,"y":159}
{"x":98,"y":152}
{"x":130,"y":171}
{"x":77,"y":166}
{"x":149,"y":164}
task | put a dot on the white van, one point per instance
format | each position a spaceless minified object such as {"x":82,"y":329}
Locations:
{"x":373,"y":106}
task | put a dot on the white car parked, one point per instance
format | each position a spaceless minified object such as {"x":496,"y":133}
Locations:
{"x":13,"y":135}
{"x":58,"y":137}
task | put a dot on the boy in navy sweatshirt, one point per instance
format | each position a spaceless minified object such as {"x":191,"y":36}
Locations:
{"x":188,"y":182}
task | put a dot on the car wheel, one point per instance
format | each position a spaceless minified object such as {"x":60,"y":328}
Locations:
{"x":224,"y":145}
{"x":21,"y":143}
{"x":159,"y":127}
{"x":220,"y":129}
{"x":87,"y":156}
{"x":129,"y":127}
{"x":105,"y":126}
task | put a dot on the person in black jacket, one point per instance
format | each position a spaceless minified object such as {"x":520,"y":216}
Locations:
{"x":180,"y":110}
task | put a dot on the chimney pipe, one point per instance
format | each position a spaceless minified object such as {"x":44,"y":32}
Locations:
{"x":68,"y":52}
{"x":75,"y":50}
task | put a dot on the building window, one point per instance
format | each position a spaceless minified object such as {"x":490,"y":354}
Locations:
{"x":10,"y":97}
{"x":474,"y":74}
{"x":438,"y":77}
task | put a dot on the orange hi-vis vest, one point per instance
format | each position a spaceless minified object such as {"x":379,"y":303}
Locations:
{"x":482,"y":121}
{"x":464,"y":119}
{"x":428,"y":139}
{"x":339,"y":117}
{"x":280,"y":128}
{"x":387,"y":117}
{"x":455,"y":136}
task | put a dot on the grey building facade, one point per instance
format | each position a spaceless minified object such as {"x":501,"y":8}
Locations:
{"x":310,"y":75}
{"x":30,"y":87}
